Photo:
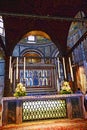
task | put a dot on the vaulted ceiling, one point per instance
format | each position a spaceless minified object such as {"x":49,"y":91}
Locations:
{"x":53,"y":17}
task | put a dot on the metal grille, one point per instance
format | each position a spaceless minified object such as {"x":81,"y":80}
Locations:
{"x":44,"y":109}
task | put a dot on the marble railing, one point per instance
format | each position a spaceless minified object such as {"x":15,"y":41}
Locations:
{"x":29,"y":108}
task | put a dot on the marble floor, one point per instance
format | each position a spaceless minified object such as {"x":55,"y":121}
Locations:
{"x":55,"y":124}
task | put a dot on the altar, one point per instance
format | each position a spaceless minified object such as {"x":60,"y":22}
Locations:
{"x":31,"y":108}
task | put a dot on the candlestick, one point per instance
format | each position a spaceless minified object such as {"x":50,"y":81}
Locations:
{"x":64,"y":68}
{"x":17,"y":69}
{"x":58,"y":68}
{"x":24,"y":67}
{"x":71,"y":71}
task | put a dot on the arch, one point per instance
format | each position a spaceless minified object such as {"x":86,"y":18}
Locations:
{"x":33,"y":33}
{"x":74,"y":27}
{"x":33,"y":56}
{"x":55,"y":53}
{"x":37,"y":33}
{"x":78,"y":56}
{"x":25,"y":51}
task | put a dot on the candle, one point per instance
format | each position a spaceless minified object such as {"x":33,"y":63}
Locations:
{"x":11,"y":75}
{"x":64,"y":68}
{"x":10,"y":66}
{"x":43,"y":73}
{"x":58,"y":68}
{"x":17,"y":68}
{"x":71,"y":71}
{"x":24,"y":67}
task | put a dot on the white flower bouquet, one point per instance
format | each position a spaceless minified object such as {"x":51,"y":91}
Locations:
{"x":20,"y":90}
{"x":65,"y":88}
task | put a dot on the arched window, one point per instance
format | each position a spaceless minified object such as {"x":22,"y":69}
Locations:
{"x":31,"y":39}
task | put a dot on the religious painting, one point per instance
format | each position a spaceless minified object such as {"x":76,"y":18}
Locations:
{"x":35,"y":78}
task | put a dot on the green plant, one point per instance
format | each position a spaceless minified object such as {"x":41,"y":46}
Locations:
{"x":20,"y":90}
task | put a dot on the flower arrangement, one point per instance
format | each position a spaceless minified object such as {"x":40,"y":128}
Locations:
{"x":20,"y":90}
{"x":65,"y":88}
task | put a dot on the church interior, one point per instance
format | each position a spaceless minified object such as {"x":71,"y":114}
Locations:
{"x":43,"y":64}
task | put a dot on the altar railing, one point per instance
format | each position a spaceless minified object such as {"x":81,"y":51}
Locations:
{"x":30,"y":108}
